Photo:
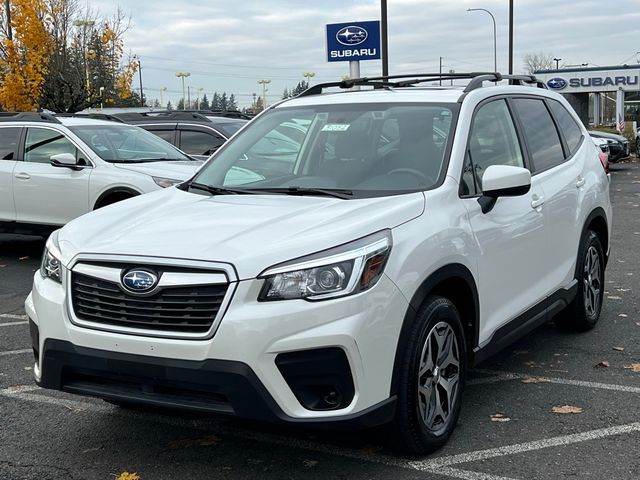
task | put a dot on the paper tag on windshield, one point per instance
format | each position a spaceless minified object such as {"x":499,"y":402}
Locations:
{"x":336,"y":127}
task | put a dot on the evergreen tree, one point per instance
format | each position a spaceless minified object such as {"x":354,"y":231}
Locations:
{"x":180,"y":104}
{"x":204,"y":103}
{"x":169,"y":106}
{"x":156,"y":103}
{"x":285,"y":94}
{"x":224,"y":102}
{"x":232,"y":105}
{"x":215,"y":102}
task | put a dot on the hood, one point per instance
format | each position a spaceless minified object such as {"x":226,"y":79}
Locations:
{"x":612,"y":136}
{"x":177,"y":170}
{"x":251,"y":232}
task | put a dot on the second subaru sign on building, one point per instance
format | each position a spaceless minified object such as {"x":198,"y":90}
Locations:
{"x":353,"y":41}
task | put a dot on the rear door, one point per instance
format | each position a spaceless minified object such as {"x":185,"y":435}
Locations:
{"x":167,"y":132}
{"x":9,"y":141}
{"x":511,"y":237}
{"x":558,"y":163}
{"x":45,"y":194}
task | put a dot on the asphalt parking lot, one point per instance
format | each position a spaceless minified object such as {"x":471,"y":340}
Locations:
{"x":507,"y":429}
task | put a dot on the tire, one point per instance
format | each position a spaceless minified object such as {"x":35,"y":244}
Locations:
{"x":583,"y":312}
{"x":420,"y":426}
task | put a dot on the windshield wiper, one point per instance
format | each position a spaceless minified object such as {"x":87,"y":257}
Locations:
{"x":219,"y":190}
{"x":326,"y":192}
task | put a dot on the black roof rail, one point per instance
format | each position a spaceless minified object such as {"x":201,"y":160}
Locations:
{"x":28,"y":117}
{"x":94,"y":116}
{"x":160,"y":116}
{"x":216,"y":113}
{"x":407,"y":80}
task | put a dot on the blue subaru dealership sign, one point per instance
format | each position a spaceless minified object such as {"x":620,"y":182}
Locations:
{"x":349,"y":42}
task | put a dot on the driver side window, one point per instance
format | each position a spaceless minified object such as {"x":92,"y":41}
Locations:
{"x":493,"y":141}
{"x":42,"y":143}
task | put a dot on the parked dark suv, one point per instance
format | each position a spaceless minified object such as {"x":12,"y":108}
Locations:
{"x":618,"y":145}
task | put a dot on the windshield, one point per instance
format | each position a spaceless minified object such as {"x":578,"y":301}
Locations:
{"x":367,"y":149}
{"x":228,"y":127}
{"x":126,"y":143}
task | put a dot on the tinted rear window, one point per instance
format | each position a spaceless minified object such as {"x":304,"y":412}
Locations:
{"x":8,"y":141}
{"x":540,"y":132}
{"x":570,"y":129}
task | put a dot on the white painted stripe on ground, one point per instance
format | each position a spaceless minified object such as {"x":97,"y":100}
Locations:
{"x":22,"y":393}
{"x":12,"y":323}
{"x":561,"y":381}
{"x":12,"y":316}
{"x":15,"y":352}
{"x":527,"y":446}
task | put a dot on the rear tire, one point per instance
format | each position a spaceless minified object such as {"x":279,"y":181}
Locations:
{"x":431,"y":379}
{"x":583,"y":312}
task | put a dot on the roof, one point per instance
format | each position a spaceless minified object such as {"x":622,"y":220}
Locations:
{"x":79,"y":121}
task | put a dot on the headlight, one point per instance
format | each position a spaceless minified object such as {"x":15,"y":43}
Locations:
{"x":166,"y":182}
{"x":345,"y":270}
{"x":50,"y":266}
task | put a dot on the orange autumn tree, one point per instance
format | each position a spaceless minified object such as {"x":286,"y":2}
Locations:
{"x":25,"y":57}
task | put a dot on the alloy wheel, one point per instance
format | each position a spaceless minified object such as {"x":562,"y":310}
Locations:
{"x":592,"y":282}
{"x":438,"y":377}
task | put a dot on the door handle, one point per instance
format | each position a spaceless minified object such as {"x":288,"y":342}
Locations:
{"x":537,"y":201}
{"x":581,"y":181}
{"x":23,"y":176}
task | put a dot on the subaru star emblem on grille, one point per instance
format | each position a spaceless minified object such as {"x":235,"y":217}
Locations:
{"x":557,"y":83}
{"x":139,"y":281}
{"x":351,"y":35}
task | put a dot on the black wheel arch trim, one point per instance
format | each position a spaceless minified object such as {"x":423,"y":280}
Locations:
{"x":114,"y":190}
{"x":447,"y":272}
{"x":597,"y":212}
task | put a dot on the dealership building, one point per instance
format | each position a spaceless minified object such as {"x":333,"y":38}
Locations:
{"x":595,"y":93}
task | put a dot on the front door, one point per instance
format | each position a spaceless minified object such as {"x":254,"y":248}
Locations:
{"x":510,"y":237}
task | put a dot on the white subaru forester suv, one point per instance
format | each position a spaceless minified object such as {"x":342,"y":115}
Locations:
{"x":412,"y":233}
{"x":54,"y":169}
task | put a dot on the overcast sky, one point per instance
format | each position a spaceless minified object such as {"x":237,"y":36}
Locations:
{"x":229,"y":45}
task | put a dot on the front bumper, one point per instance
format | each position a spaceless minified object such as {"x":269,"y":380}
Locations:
{"x":239,"y":360}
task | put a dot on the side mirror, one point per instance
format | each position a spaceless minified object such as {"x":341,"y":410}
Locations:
{"x":503,"y":181}
{"x":67,"y":160}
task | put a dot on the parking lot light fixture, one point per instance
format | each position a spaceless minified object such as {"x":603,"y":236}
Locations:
{"x":264,"y":84}
{"x":308,"y":76}
{"x":495,"y":49}
{"x":183,"y":75}
{"x":557,"y":60}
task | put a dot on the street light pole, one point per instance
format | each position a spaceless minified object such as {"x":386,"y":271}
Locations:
{"x":7,"y":8}
{"x":308,"y":76}
{"x":162,"y":89}
{"x":495,"y":48}
{"x":183,"y":75}
{"x":84,"y":24}
{"x":264,"y":84}
{"x":510,"y":37}
{"x":385,"y":38}
{"x":140,"y":79}
{"x":557,"y":60}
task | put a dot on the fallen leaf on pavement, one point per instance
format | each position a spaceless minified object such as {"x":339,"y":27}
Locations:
{"x":310,"y":463}
{"x":634,"y":367}
{"x":619,"y":349}
{"x":2,"y":266}
{"x":23,"y":258}
{"x":128,"y":476}
{"x":602,"y":364}
{"x":205,"y":441}
{"x":622,"y":315}
{"x":566,"y":409}
{"x":535,"y":380}
{"x":614,"y":297}
{"x":499,"y":417}
{"x":371,"y":449}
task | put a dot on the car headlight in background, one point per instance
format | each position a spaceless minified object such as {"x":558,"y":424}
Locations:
{"x":51,"y":266}
{"x":341,"y":271}
{"x":166,"y":182}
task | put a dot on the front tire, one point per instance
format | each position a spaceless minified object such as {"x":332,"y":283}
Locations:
{"x":583,"y":312}
{"x":431,"y":379}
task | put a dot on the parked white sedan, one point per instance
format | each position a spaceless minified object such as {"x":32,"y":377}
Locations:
{"x":53,"y":170}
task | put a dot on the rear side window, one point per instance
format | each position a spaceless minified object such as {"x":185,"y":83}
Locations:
{"x":199,"y":143}
{"x":166,"y":135}
{"x":8,"y":142}
{"x":541,"y":134}
{"x":568,"y":126}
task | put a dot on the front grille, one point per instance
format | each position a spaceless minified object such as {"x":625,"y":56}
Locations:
{"x":189,"y":309}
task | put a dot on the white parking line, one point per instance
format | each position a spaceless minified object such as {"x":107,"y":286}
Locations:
{"x":8,"y":324}
{"x":505,"y":376}
{"x":12,"y":316}
{"x":528,"y":446}
{"x":15,"y":352}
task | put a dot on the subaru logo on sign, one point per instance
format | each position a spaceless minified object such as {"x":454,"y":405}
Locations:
{"x":352,"y":35}
{"x":557,"y":83}
{"x":139,"y":281}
